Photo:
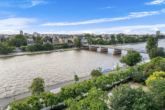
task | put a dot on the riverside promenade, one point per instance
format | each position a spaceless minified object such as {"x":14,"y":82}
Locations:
{"x":4,"y":102}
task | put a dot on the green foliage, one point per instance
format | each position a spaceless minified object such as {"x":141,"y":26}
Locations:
{"x":34,"y":102}
{"x":96,"y":73}
{"x":131,"y":58}
{"x":126,"y":98}
{"x":23,"y":48}
{"x":65,"y":45}
{"x":157,"y":51}
{"x":77,"y":42}
{"x":141,"y":67}
{"x":94,"y":101}
{"x":31,"y":48}
{"x":90,"y":40}
{"x":49,"y":99}
{"x":37,"y":86}
{"x":48,"y":46}
{"x":162,"y":65}
{"x":150,"y":69}
{"x":151,"y":43}
{"x":156,"y":60}
{"x":112,"y":41}
{"x":137,"y":77}
{"x":5,"y":49}
{"x":157,"y":88}
{"x":20,"y":106}
{"x":76,"y":78}
{"x":38,"y":40}
{"x":18,"y":40}
{"x":117,"y":67}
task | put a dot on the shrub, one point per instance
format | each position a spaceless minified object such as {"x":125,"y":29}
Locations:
{"x":137,"y":77}
{"x":23,"y":48}
{"x":96,"y":73}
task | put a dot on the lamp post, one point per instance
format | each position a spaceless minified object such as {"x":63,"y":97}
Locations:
{"x":6,"y":91}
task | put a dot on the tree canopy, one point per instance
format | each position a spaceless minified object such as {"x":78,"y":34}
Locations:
{"x":151,"y":43}
{"x":96,"y":73}
{"x":37,"y":86}
{"x":77,"y":42}
{"x":156,"y":51}
{"x":5,"y":49}
{"x":18,"y":40}
{"x":126,"y":98}
{"x":131,"y":58}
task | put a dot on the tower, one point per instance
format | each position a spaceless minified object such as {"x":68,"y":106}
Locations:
{"x":21,"y":32}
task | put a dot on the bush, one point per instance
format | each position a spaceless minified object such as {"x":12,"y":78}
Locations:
{"x":96,"y":73}
{"x":5,"y":49}
{"x":137,"y":77}
{"x":23,"y":48}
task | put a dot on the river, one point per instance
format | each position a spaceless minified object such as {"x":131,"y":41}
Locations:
{"x":17,"y":73}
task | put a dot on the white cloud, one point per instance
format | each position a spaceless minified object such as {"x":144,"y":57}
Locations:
{"x":139,"y":29}
{"x":108,"y":7}
{"x":51,"y":30}
{"x":156,"y":2}
{"x":130,"y":16}
{"x":154,"y":29}
{"x":22,"y":3}
{"x":37,"y":2}
{"x":14,"y":24}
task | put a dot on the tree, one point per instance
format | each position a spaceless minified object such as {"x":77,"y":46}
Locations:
{"x":18,"y":40}
{"x":90,"y":40}
{"x":49,"y":99}
{"x":131,"y":58}
{"x":23,"y":48}
{"x":150,"y":69}
{"x":31,"y":48}
{"x":77,"y":42}
{"x":5,"y":49}
{"x":151,"y":43}
{"x":96,"y":73}
{"x":137,"y":77}
{"x":156,"y":51}
{"x":20,"y":106}
{"x":76,"y":78}
{"x":34,"y":102}
{"x":157,"y":88}
{"x":126,"y":98}
{"x":48,"y":46}
{"x":112,"y":41}
{"x":37,"y":86}
{"x":117,"y":67}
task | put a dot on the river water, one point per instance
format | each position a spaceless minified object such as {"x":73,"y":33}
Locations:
{"x":17,"y":73}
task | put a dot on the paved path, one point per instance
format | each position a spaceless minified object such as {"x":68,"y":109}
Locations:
{"x":6,"y":101}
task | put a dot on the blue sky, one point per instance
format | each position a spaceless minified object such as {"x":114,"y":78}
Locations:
{"x":82,"y":16}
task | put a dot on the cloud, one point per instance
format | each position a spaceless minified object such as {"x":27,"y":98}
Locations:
{"x":156,"y":2}
{"x":51,"y":30}
{"x":139,"y":29}
{"x":154,"y":29}
{"x":108,"y":7}
{"x":22,"y":3}
{"x":13,"y":24}
{"x":130,"y":16}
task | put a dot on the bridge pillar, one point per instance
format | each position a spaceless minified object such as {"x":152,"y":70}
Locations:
{"x":92,"y":48}
{"x":116,"y":51}
{"x":84,"y":47}
{"x":102,"y":49}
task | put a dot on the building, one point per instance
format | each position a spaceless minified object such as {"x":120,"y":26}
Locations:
{"x":25,"y":34}
{"x":55,"y":40}
{"x":21,"y":32}
{"x":157,"y":33}
{"x":63,"y":40}
{"x":30,"y":41}
{"x":35,"y":34}
{"x":46,"y":41}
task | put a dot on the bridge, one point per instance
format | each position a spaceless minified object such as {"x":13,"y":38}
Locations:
{"x":105,"y":48}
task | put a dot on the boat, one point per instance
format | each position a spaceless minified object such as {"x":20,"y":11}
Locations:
{"x":60,"y":50}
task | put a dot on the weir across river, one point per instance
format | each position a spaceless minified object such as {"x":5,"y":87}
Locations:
{"x":105,"y":48}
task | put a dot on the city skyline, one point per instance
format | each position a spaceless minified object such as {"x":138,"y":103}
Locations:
{"x":76,"y":17}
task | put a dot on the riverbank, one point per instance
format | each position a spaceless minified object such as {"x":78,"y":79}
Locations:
{"x":33,"y":53}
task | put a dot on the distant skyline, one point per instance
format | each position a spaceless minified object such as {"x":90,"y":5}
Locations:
{"x":82,"y":16}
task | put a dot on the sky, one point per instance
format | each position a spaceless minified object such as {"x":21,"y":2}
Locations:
{"x":82,"y":16}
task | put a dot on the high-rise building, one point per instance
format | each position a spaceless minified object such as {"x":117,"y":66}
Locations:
{"x":157,"y":33}
{"x":21,"y":32}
